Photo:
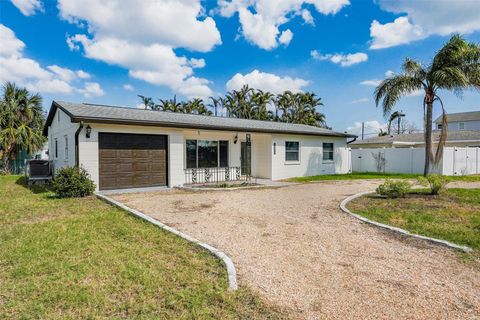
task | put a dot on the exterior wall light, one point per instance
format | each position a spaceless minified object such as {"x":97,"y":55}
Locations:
{"x":88,"y":131}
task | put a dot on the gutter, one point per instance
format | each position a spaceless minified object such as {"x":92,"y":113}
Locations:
{"x":77,"y":160}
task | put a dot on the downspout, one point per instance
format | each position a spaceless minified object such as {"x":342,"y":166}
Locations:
{"x":354,"y":139}
{"x":77,"y":160}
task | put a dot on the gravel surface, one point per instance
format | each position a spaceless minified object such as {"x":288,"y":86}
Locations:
{"x":295,"y":248}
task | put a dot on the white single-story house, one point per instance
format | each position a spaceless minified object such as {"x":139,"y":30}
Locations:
{"x":455,"y":138}
{"x":125,"y":147}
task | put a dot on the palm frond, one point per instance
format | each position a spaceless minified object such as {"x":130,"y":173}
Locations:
{"x":390,"y":90}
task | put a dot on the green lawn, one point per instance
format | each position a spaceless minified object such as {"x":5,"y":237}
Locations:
{"x":82,"y":258}
{"x":454,"y":215}
{"x":374,"y":175}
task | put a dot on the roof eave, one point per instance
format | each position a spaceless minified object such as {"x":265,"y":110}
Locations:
{"x":199,"y":126}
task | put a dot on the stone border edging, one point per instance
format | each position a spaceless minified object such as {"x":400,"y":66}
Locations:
{"x":231,"y":272}
{"x":343,"y":207}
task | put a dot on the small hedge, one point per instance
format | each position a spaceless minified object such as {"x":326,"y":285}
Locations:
{"x":435,"y":182}
{"x":73,"y":182}
{"x":394,"y":189}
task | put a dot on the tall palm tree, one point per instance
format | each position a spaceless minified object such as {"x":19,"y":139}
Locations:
{"x":216,"y":102}
{"x":147,"y":102}
{"x":21,"y":123}
{"x":261,"y":100}
{"x":455,"y":67}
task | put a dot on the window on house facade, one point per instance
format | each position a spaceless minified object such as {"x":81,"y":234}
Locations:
{"x":292,"y":150}
{"x":439,"y":126}
{"x":66,"y":147}
{"x":328,"y":151}
{"x":206,"y":153}
{"x":461,"y":125}
{"x":56,"y":148}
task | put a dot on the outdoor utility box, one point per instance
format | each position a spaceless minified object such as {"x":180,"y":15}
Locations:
{"x":38,"y":170}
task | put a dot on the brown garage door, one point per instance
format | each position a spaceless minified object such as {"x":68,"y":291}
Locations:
{"x":132,"y":160}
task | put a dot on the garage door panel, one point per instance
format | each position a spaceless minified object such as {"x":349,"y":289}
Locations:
{"x":140,"y":166}
{"x":157,"y":166}
{"x":160,"y":179}
{"x":132,"y":160}
{"x":108,"y":154}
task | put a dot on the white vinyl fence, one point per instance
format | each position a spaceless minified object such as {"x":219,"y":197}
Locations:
{"x":456,"y":161}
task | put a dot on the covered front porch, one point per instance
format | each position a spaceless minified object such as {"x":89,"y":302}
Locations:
{"x":226,"y":157}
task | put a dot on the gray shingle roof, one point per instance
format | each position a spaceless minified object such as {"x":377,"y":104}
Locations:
{"x":125,"y":115}
{"x":460,"y":116}
{"x":462,"y":135}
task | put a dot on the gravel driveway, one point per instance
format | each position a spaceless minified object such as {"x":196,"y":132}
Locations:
{"x":295,"y":248}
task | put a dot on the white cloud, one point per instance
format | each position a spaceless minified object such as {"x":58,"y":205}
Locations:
{"x":376,"y":82}
{"x":260,"y":20}
{"x":267,"y":82}
{"x":371,"y":128}
{"x":372,"y":82}
{"x":28,"y":7}
{"x":91,"y":89}
{"x":11,"y":45}
{"x":423,"y":19}
{"x":361,"y":100}
{"x":197,"y":63}
{"x":83,"y":75}
{"x":307,"y":17}
{"x":63,"y":73}
{"x":28,"y":72}
{"x":286,"y":37}
{"x":400,"y":31}
{"x":128,"y":87}
{"x":341,"y":59}
{"x":147,"y":50}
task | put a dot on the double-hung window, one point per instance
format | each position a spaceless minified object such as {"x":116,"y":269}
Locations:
{"x":206,"y":153}
{"x":327,"y":151}
{"x":56,"y":148}
{"x":292,"y":151}
{"x":461,"y":125}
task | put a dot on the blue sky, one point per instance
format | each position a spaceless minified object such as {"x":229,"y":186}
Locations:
{"x":110,"y":51}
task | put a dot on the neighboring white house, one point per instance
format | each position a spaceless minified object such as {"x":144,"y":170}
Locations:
{"x":458,"y":138}
{"x":460,"y":121}
{"x":127,"y":147}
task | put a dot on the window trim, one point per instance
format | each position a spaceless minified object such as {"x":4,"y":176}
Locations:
{"x":65,"y":147}
{"x":218,"y":153}
{"x":332,"y":152}
{"x":297,"y":161}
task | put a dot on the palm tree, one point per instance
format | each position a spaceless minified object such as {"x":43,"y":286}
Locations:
{"x":147,"y":102}
{"x":216,"y":102}
{"x":261,"y":99}
{"x":175,"y":106}
{"x":396,"y":115}
{"x":455,"y":67}
{"x":21,"y":123}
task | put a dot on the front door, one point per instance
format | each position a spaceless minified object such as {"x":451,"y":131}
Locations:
{"x":246,"y":158}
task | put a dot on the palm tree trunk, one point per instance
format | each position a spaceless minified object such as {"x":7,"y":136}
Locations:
{"x":428,"y":138}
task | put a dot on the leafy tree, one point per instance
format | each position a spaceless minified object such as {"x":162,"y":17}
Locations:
{"x":21,"y":123}
{"x":455,"y":67}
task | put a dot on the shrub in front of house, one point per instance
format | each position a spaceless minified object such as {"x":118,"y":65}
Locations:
{"x":73,"y":182}
{"x":394,"y":189}
{"x":435,"y":182}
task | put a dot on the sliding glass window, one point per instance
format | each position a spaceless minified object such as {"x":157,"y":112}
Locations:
{"x":206,"y":153}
